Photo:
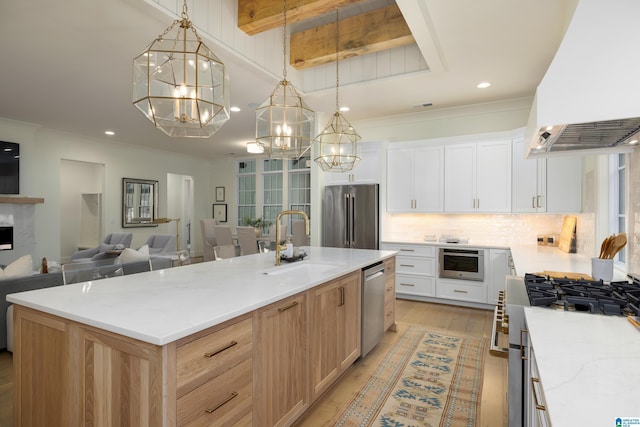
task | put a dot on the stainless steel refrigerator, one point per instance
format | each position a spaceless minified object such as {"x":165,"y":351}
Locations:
{"x":350,"y":216}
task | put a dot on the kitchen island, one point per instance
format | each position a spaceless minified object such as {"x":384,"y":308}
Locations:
{"x":238,"y":340}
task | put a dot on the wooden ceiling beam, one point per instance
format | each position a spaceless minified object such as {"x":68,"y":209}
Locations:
{"x":369,"y":32}
{"x":257,"y":16}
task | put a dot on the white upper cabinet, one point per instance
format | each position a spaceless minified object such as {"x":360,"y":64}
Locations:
{"x":478,"y":177}
{"x":414,"y":178}
{"x":366,"y":171}
{"x":529,"y":181}
{"x":552,"y":184}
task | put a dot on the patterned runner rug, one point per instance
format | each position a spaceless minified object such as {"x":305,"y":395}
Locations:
{"x":426,"y":379}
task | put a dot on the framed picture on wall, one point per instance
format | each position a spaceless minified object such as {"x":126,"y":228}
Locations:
{"x":220,"y":212}
{"x":219,"y":194}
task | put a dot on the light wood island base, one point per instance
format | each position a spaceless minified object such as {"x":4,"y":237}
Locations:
{"x":265,"y":368}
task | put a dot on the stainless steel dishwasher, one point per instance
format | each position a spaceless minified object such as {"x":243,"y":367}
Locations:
{"x":372,"y":306}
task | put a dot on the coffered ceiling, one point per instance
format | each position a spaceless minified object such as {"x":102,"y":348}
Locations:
{"x":67,"y":65}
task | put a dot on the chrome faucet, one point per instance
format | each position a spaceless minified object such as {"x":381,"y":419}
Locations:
{"x":280,"y":247}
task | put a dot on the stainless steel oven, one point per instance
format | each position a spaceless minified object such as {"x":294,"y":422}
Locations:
{"x":463,"y":264}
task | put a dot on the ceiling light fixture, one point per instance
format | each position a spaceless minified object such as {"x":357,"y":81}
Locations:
{"x":284,"y":123}
{"x":483,"y":85}
{"x":235,"y":109}
{"x":254,"y":148}
{"x":180,"y":85}
{"x":338,"y":142}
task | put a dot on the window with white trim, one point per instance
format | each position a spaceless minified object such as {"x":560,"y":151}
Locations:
{"x":246,"y":190}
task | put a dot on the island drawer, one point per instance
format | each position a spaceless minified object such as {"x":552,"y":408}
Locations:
{"x":415,"y":285}
{"x":205,"y":358}
{"x":225,"y":400}
{"x":416,"y":265}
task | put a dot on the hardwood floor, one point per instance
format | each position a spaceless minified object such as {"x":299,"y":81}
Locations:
{"x":456,"y":320}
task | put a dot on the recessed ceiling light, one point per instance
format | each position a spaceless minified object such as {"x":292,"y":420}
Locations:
{"x":633,"y":142}
{"x":483,"y":85}
{"x":344,"y":109}
{"x":235,"y":109}
{"x":109,"y":132}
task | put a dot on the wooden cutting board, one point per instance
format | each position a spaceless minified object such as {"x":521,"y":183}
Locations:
{"x":567,"y":234}
{"x":562,"y":275}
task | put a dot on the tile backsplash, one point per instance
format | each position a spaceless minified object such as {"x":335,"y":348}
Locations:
{"x":502,"y":230}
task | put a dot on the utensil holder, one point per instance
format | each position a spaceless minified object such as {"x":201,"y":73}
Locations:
{"x":602,"y":269}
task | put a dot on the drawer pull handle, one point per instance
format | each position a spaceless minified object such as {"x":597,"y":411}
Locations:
{"x":293,"y":304}
{"x":535,"y":394}
{"x":219,"y":405}
{"x":221,"y":349}
{"x":407,"y":265}
{"x":407,"y":250}
{"x":407,"y":284}
{"x":460,"y":292}
{"x":341,"y":303}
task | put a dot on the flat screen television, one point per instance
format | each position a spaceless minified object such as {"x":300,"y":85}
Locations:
{"x":9,"y":168}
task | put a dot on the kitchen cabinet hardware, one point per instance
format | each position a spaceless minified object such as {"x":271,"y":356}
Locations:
{"x":407,"y":265}
{"x":293,"y":304}
{"x":221,"y":349}
{"x":407,"y":250}
{"x":341,"y":303}
{"x":232,"y":396}
{"x":539,"y":406}
{"x":523,"y":356}
{"x":407,"y":284}
{"x":460,"y":291}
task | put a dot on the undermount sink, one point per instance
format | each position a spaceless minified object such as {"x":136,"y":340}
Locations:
{"x":301,"y":267}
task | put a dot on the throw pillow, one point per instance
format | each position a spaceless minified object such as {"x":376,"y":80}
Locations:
{"x":131,"y":255}
{"x":21,"y":267}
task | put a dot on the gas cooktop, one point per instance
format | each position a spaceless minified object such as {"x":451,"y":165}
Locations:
{"x":615,"y":298}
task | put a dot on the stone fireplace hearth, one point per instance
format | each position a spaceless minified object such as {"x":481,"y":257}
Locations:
{"x":22,"y":212}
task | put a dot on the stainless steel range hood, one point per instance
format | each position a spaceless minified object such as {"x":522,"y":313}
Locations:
{"x":610,"y":135}
{"x":588,"y":101}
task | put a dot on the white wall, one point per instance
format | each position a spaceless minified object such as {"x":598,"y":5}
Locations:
{"x":41,"y":154}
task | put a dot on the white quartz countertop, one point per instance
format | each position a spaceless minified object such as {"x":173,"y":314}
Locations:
{"x":534,"y":259}
{"x":464,"y":244}
{"x":589,"y":366}
{"x":162,"y":306}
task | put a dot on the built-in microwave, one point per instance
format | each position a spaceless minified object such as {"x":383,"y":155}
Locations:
{"x":463,"y":264}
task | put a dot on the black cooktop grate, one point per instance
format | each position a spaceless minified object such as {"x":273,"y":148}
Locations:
{"x":615,"y":298}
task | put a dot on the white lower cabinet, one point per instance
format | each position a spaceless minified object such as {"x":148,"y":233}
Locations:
{"x":462,"y":290}
{"x":536,"y":406}
{"x":416,"y":268}
{"x":417,"y":275}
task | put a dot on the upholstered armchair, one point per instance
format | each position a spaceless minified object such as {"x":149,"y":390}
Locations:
{"x":108,"y":243}
{"x":162,"y":244}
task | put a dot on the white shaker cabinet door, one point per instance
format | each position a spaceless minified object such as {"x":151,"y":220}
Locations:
{"x":493,"y":177}
{"x":400,"y":181}
{"x":459,"y":178}
{"x":428,"y":179}
{"x":528,"y":188}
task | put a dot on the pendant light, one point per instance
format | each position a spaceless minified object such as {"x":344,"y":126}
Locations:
{"x":180,"y":84}
{"x":337,"y":143}
{"x":284,"y":123}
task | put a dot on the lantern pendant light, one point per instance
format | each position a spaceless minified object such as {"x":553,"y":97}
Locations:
{"x":284,"y":123}
{"x":337,"y":143}
{"x":180,"y":85}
